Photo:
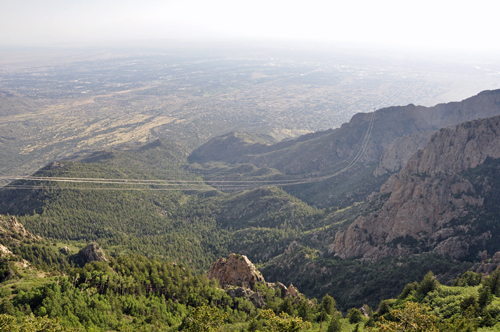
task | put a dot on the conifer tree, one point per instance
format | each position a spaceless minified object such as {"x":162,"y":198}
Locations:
{"x":428,"y":284}
{"x":335,"y":324}
{"x":303,"y":310}
{"x":328,"y":305}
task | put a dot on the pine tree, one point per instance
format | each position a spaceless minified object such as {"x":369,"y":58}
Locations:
{"x":354,"y":316}
{"x":485,"y":297}
{"x":286,"y":306}
{"x":335,"y":324}
{"x":328,"y":305}
{"x":303,"y":310}
{"x":428,"y":284}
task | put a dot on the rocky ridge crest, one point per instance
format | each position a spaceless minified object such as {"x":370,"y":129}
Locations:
{"x":397,"y":153}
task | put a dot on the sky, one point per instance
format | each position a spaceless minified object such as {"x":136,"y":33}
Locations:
{"x":460,"y":25}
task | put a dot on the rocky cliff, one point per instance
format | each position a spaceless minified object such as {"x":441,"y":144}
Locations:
{"x":400,"y":150}
{"x":427,"y":198}
{"x":12,"y":234}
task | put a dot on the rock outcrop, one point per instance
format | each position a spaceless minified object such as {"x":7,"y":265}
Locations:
{"x":237,"y":270}
{"x":248,"y":294}
{"x":4,"y":251}
{"x":14,"y":230}
{"x":13,"y":233}
{"x":425,"y":197}
{"x":291,"y":291}
{"x":91,"y":253}
{"x":65,"y":250}
{"x":238,"y":276}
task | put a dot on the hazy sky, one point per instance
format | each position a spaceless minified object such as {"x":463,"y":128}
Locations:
{"x":423,"y":23}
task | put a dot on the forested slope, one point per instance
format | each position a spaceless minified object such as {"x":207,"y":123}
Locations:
{"x":169,"y":213}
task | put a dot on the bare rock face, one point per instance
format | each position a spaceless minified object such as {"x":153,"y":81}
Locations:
{"x":425,"y":196}
{"x":237,"y":270}
{"x":292,"y":291}
{"x":365,"y":310}
{"x":282,"y":288}
{"x":92,"y":253}
{"x":400,"y":150}
{"x":427,"y":121}
{"x":15,"y":226}
{"x":4,"y":251}
{"x":289,"y":291}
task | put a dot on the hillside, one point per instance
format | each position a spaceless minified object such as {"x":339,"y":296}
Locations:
{"x":13,"y":104}
{"x":136,"y":216}
{"x":438,"y":213}
{"x":191,"y":224}
{"x":194,"y":224}
{"x":149,"y":200}
{"x":41,"y":289}
{"x":43,"y":292}
{"x":140,"y":200}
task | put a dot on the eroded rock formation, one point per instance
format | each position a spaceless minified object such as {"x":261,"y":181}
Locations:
{"x":238,"y":276}
{"x":237,"y":270}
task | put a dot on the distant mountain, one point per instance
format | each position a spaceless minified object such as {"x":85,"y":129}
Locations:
{"x":322,"y":151}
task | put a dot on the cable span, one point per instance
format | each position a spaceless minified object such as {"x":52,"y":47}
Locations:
{"x":237,"y":184}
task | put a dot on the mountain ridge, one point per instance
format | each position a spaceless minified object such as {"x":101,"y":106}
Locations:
{"x":338,"y":145}
{"x":426,"y":195}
